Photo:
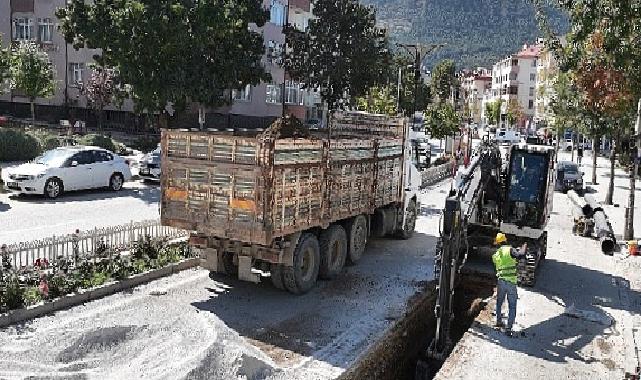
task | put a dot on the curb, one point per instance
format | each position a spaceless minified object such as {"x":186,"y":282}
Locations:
{"x":70,"y":300}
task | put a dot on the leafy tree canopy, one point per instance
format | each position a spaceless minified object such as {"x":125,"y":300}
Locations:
{"x":4,"y":64}
{"x":378,"y":100}
{"x":442,"y":120}
{"x":443,"y":80}
{"x":31,"y":71}
{"x":173,"y":50}
{"x":342,"y":53}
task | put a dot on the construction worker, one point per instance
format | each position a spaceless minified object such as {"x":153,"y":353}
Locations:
{"x":505,"y":261}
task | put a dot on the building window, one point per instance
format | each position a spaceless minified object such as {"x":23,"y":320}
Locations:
{"x":293,"y":93}
{"x":23,"y":29}
{"x":530,"y":104}
{"x":75,"y":73}
{"x":273,"y":94}
{"x":514,"y":90}
{"x":243,"y":95}
{"x":534,"y":63}
{"x":515,"y":62}
{"x":45,"y":29}
{"x":532,"y":77}
{"x":277,"y":13}
{"x":531,"y":91}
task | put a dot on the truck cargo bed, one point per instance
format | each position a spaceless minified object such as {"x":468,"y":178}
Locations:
{"x":254,"y":189}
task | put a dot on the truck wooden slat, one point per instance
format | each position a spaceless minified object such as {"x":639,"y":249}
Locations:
{"x":255,"y":189}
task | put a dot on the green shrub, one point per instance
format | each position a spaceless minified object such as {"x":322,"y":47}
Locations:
{"x":101,"y":141}
{"x":146,"y":248}
{"x":46,"y":140}
{"x":60,"y":285}
{"x":146,"y":143}
{"x":32,"y":296}
{"x":18,"y":146}
{"x":12,"y":294}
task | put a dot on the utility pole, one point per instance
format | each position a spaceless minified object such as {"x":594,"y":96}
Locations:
{"x":284,"y":89}
{"x":634,"y":168}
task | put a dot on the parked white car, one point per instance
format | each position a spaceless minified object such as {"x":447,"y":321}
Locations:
{"x":66,"y":169}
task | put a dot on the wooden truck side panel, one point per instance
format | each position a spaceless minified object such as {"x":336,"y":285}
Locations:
{"x":249,"y":190}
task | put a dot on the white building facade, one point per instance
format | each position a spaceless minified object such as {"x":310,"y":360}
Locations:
{"x":514,"y":81}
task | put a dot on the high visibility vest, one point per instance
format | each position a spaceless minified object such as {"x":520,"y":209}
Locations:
{"x":505,"y":264}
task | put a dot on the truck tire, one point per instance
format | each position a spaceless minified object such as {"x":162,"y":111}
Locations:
{"x":229,"y":267}
{"x":333,"y":251}
{"x":276,"y":273}
{"x":356,"y":238}
{"x":301,"y":277}
{"x":407,"y":231}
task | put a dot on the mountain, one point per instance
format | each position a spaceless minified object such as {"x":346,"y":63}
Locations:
{"x":477,"y":32}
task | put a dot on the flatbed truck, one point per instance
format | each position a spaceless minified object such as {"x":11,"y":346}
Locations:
{"x":293,"y":206}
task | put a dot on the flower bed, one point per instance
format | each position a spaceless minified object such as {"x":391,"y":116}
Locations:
{"x":46,"y":281}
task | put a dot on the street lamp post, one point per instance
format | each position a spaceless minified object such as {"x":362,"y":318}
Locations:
{"x":419,"y":52}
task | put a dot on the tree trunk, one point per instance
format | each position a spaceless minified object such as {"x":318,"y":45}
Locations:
{"x":595,"y":147}
{"x":609,"y":196}
{"x":100,"y":119}
{"x":33,"y":111}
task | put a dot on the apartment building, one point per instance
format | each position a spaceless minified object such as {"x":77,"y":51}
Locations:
{"x":35,"y":20}
{"x":266,"y":99}
{"x":546,"y":72}
{"x":474,"y":85}
{"x":514,"y":79}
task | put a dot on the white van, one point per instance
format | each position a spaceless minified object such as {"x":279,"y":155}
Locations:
{"x":504,"y":135}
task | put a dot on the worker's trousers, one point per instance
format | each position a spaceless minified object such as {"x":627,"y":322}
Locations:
{"x":503,"y":289}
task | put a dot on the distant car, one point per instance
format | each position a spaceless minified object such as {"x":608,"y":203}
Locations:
{"x":568,"y":177}
{"x":505,"y":135}
{"x":149,"y":166}
{"x":66,"y":169}
{"x":568,"y":145}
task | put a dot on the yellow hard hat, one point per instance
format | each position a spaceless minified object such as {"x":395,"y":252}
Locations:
{"x":500,"y":238}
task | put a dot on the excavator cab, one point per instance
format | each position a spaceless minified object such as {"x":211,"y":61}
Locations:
{"x":530,"y":186}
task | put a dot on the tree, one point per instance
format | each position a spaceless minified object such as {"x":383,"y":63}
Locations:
{"x":342,"y":53}
{"x":442,"y":120}
{"x":493,"y":112}
{"x":173,"y":51}
{"x":31,"y":73}
{"x":378,"y":100}
{"x":5,"y":59}
{"x":604,"y":37}
{"x":101,"y":89}
{"x":443,"y":80}
{"x":514,"y":112}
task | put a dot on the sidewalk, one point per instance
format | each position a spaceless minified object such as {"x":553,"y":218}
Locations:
{"x":616,"y":212}
{"x":601,"y":293}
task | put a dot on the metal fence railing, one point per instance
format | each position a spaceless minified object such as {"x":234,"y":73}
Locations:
{"x":433,"y":175}
{"x":83,"y":243}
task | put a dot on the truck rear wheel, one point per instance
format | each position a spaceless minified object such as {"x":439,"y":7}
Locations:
{"x":301,"y":277}
{"x":333,"y":251}
{"x":276,"y":273}
{"x":356,"y":238}
{"x":407,"y":231}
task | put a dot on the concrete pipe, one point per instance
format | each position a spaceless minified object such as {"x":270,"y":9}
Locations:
{"x":581,"y":203}
{"x":603,"y":231}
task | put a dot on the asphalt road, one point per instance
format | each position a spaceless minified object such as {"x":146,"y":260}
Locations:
{"x":24,"y":218}
{"x":188,"y":326}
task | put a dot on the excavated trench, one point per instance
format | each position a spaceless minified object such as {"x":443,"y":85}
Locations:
{"x":396,"y":355}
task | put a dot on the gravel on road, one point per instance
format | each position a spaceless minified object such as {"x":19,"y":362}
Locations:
{"x":189,"y":326}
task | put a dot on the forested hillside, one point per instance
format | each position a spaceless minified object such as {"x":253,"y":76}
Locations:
{"x":477,"y":32}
